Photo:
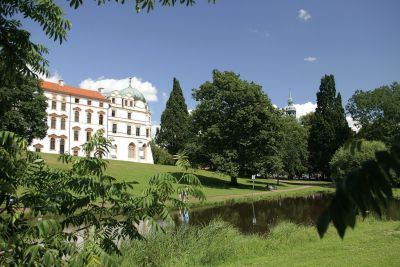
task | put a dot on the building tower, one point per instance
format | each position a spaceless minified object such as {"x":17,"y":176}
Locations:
{"x":290,"y":109}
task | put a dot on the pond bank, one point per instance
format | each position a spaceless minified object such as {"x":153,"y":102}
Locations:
{"x":220,"y":244}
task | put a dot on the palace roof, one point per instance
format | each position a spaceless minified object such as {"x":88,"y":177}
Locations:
{"x":69,"y":90}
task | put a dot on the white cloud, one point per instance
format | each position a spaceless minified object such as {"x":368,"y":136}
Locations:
{"x":145,"y":87}
{"x":55,"y":77}
{"x":303,"y":109}
{"x":304,"y":15}
{"x":259,"y":32}
{"x":164,"y":96}
{"x":352,"y":124}
{"x":310,"y":59}
{"x":154,"y":129}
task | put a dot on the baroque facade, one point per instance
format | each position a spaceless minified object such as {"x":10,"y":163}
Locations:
{"x":74,"y":114}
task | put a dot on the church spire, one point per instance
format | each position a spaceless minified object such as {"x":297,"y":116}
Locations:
{"x":130,"y":80}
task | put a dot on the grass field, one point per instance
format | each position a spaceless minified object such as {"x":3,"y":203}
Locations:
{"x":215,"y":186}
{"x":371,"y":243}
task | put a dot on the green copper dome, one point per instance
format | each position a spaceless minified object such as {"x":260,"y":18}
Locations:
{"x":132,"y":92}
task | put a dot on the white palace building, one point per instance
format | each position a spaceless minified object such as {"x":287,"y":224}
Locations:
{"x":74,"y":114}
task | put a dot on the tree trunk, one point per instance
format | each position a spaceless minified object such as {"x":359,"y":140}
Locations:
{"x":234,"y":181}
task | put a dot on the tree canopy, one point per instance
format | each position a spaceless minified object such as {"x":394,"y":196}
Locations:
{"x":174,"y":126}
{"x":377,"y":112}
{"x":294,"y":147}
{"x":329,"y":128}
{"x":22,"y":107}
{"x":236,"y":126}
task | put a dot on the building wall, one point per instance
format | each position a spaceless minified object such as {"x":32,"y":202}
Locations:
{"x":140,"y":117}
{"x":121,"y":139}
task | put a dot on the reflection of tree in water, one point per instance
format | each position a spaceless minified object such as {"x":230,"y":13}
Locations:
{"x":300,"y":210}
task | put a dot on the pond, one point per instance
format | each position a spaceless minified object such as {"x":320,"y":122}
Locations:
{"x":261,"y":216}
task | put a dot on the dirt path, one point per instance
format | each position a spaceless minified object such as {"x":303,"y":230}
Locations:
{"x":223,"y":197}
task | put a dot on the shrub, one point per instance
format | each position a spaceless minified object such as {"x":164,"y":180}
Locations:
{"x":161,"y":156}
{"x":350,"y":157}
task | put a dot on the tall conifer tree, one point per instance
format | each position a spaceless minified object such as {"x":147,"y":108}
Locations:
{"x":329,"y":128}
{"x":174,"y":126}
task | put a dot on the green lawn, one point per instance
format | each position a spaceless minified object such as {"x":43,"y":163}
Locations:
{"x":371,"y":243}
{"x":215,"y":186}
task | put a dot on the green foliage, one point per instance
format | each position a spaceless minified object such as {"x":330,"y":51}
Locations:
{"x":81,"y":202}
{"x":377,"y":112}
{"x":288,"y":244}
{"x":348,"y":158}
{"x":174,"y":127}
{"x":294,"y":147}
{"x":18,"y":54}
{"x":161,"y":156}
{"x":22,"y":106}
{"x":329,"y":129}
{"x":236,"y":127}
{"x":364,"y":189}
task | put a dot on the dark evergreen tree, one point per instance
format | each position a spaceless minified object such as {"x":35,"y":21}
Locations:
{"x":174,"y":126}
{"x":329,"y":128}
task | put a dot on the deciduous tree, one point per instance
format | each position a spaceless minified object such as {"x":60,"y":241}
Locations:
{"x":377,"y":112}
{"x":236,"y":125}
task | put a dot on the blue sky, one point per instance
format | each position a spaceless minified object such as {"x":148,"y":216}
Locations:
{"x":264,"y":41}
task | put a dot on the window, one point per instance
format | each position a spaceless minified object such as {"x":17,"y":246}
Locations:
{"x":137,"y":131}
{"x":114,"y":128}
{"x":126,"y":102}
{"x":101,"y":119}
{"x":101,"y":104}
{"x":52,"y":144}
{"x":89,"y":102}
{"x":53,"y":104}
{"x":147,"y":132}
{"x":76,"y":100}
{"x":128,"y":130}
{"x":76,"y":152}
{"x":62,"y":123}
{"x":76,"y":135}
{"x":131,"y":151}
{"x":88,"y":135}
{"x":129,"y":115}
{"x":76,"y":116}
{"x":37,"y":149}
{"x":88,"y":117}
{"x":130,"y":103}
{"x":113,"y":113}
{"x":62,"y":146}
{"x":63,"y":106}
{"x":53,"y":122}
{"x":113,"y":100}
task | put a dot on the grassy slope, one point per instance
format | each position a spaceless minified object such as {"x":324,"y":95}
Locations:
{"x":372,"y":243}
{"x":216,"y":186}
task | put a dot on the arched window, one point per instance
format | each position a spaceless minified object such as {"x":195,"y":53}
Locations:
{"x":76,"y":116}
{"x":131,"y":151}
{"x":101,"y":119}
{"x":88,"y":117}
{"x":145,"y":151}
{"x":53,"y":122}
{"x":52,"y":143}
{"x":62,"y":123}
{"x":62,"y":146}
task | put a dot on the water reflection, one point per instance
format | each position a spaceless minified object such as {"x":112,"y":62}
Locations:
{"x":260,"y":216}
